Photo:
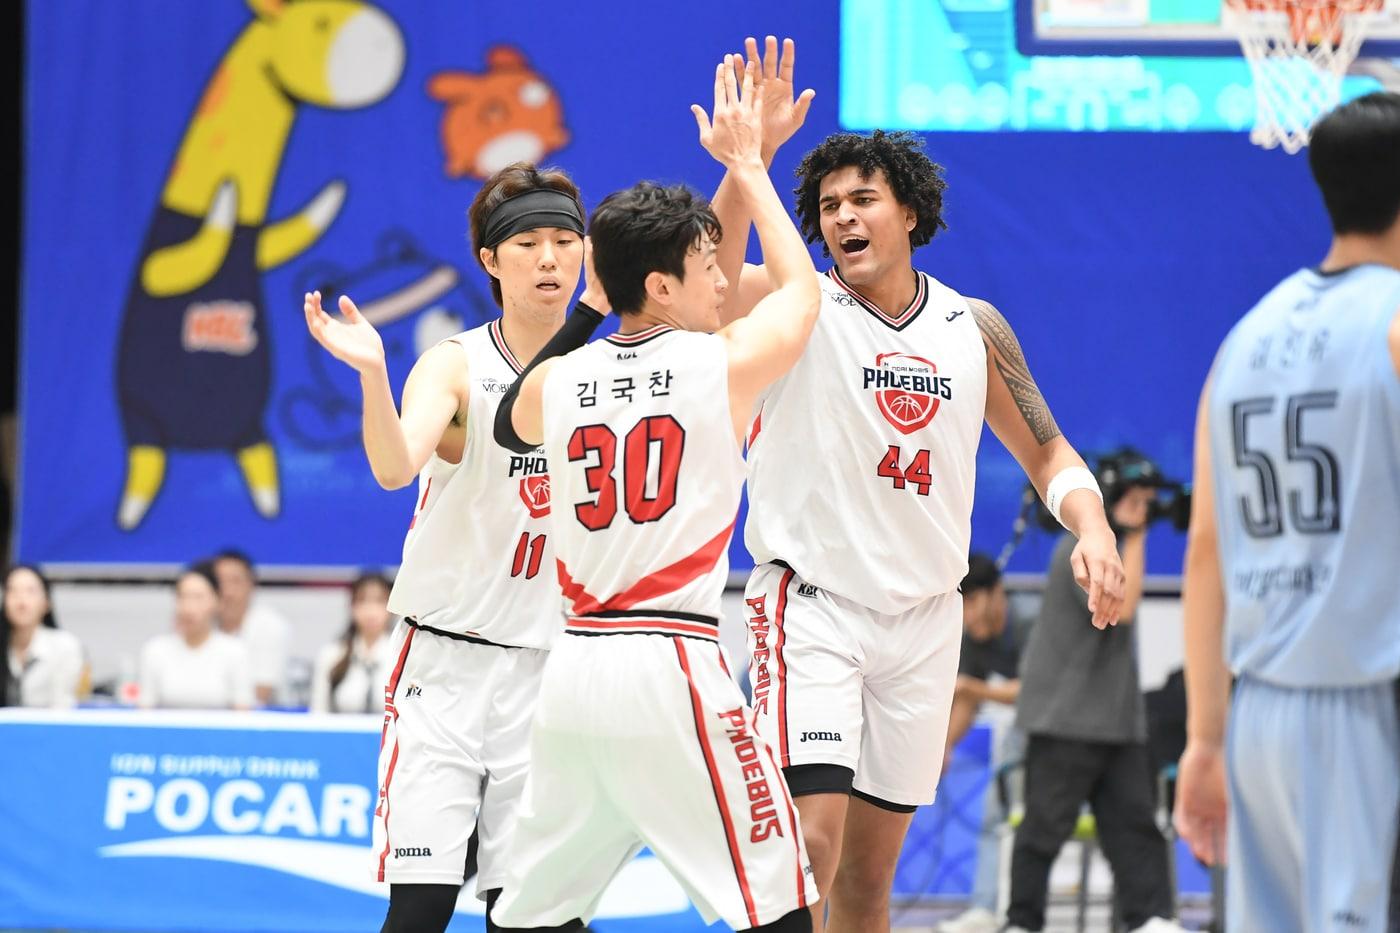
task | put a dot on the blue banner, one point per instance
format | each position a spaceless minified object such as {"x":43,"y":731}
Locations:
{"x":169,"y":821}
{"x":193,"y":168}
{"x":220,"y":822}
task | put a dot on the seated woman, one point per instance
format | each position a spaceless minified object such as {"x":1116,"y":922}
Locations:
{"x":351,"y":671}
{"x":196,"y":666}
{"x":44,"y":665}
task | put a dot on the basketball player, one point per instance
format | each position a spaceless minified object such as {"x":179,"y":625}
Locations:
{"x":476,"y":587}
{"x":861,"y":463}
{"x":1291,"y":582}
{"x":642,"y":736}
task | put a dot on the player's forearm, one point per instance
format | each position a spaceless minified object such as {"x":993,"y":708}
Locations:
{"x":732,"y":210}
{"x":385,"y":444}
{"x":1134,"y":554}
{"x":1082,"y":511}
{"x":1207,"y":677}
{"x":1082,"y":514}
{"x":1043,"y":462}
{"x":785,"y":254}
{"x":519,"y":425}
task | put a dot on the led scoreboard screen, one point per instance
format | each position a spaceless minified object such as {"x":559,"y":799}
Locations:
{"x":1095,"y":65}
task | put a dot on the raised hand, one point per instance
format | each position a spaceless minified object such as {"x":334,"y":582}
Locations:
{"x":734,"y":135}
{"x":353,"y":340}
{"x":783,"y":115}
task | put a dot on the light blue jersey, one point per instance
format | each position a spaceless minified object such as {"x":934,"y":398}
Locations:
{"x":1305,"y":437}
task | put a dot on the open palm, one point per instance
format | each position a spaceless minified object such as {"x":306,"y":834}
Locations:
{"x":783,"y":114}
{"x":352,"y":340}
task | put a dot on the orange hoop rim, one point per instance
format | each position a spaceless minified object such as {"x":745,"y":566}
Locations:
{"x":1302,"y":7}
{"x":1310,"y":22}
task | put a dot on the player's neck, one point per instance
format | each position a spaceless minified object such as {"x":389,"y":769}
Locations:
{"x":646,"y":318}
{"x":526,"y":332}
{"x":1355,"y":249}
{"x":891,"y":292}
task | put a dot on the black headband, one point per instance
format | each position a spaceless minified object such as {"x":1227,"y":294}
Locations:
{"x":539,"y":207}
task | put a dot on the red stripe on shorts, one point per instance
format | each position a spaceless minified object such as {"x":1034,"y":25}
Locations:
{"x":792,"y":824}
{"x":390,"y":689}
{"x":720,"y":800}
{"x":782,"y":667}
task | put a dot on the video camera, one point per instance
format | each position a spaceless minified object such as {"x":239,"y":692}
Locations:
{"x":1119,"y":471}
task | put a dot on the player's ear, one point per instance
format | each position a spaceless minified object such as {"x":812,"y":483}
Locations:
{"x":488,"y":261}
{"x":658,"y":287}
{"x":911,"y":219}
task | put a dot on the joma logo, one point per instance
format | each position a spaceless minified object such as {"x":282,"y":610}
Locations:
{"x":412,"y":853}
{"x":821,"y":737}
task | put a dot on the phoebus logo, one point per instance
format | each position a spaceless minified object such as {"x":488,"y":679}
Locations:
{"x":907,"y":389}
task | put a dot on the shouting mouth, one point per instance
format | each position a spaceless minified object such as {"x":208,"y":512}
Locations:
{"x":853,"y":245}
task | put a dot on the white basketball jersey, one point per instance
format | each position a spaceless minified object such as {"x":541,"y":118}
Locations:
{"x":862,"y":458}
{"x":647,"y":478}
{"x":477,"y":559}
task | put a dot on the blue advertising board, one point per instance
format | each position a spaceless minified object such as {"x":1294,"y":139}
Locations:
{"x":229,"y":822}
{"x":156,"y":821}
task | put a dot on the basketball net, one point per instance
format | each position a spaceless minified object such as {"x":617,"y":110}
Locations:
{"x":1298,"y":53}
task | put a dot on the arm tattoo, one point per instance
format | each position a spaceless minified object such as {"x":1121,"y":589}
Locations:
{"x":1011,"y":364}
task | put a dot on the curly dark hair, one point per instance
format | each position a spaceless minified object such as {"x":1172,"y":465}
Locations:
{"x":917,"y":181}
{"x":644,"y":229}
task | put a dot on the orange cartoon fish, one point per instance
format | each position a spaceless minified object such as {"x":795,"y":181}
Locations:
{"x":507,"y":114}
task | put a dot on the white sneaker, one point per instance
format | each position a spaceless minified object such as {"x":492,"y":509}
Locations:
{"x":1159,"y":925}
{"x":974,"y":920}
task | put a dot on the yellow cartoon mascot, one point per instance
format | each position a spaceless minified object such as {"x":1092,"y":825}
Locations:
{"x":194,"y":366}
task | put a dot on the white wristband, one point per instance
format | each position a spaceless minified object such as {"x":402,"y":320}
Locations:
{"x":1065,"y":482}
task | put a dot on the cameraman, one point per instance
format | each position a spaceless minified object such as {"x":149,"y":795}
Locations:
{"x":1086,"y":726}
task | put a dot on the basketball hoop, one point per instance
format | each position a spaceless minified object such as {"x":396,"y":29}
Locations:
{"x":1298,"y":53}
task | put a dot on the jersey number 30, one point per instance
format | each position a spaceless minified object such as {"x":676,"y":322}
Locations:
{"x":651,"y":465}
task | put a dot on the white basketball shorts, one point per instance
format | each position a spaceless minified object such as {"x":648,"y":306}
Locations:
{"x":455,"y":744}
{"x":644,"y":739}
{"x":837,"y":683}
